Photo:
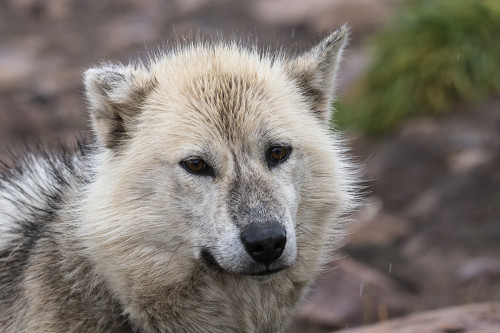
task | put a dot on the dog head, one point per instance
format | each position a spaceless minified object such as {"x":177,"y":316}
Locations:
{"x":219,"y":157}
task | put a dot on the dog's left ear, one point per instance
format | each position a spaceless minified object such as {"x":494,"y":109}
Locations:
{"x":316,"y":70}
{"x":115,"y":94}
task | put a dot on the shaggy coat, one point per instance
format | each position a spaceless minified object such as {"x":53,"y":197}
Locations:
{"x":146,"y":229}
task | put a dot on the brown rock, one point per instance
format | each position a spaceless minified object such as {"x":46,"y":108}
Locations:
{"x":58,"y":9}
{"x":15,"y":67}
{"x":322,"y":15}
{"x":480,"y":268}
{"x":350,"y":293}
{"x":377,"y":228}
{"x":476,"y":318}
{"x":126,"y":32}
{"x":468,"y":159}
{"x":188,"y":6}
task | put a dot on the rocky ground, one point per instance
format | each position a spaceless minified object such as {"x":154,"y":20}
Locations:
{"x":430,"y":235}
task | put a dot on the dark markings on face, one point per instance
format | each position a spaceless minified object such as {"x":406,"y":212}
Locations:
{"x":250,"y":196}
{"x":236,"y":100}
{"x":232,"y":108}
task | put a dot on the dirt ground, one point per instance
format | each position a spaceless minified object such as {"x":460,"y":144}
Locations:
{"x":429,"y":236}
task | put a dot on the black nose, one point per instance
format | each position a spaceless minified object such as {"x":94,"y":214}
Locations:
{"x":264,"y":242}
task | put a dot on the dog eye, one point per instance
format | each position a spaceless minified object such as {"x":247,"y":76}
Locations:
{"x":278,"y":154}
{"x":197,"y":166}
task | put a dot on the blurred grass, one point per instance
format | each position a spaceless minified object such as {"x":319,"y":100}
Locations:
{"x":431,"y":55}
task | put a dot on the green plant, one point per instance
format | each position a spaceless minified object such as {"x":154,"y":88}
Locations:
{"x":431,"y":55}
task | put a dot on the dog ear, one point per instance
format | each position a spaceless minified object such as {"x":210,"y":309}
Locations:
{"x":316,"y":70}
{"x":115,"y":95}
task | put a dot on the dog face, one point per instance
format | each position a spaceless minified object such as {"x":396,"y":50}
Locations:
{"x":217,"y":157}
{"x":234,"y":161}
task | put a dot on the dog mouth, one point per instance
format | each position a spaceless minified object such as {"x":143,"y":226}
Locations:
{"x":209,"y":260}
{"x":268,"y":272}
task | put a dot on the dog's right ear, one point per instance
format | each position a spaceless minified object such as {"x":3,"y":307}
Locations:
{"x":115,"y":95}
{"x":315,"y":72}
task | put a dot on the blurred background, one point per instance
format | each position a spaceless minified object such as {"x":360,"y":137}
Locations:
{"x":419,"y":100}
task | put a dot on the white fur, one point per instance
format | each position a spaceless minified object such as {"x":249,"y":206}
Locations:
{"x":134,"y":232}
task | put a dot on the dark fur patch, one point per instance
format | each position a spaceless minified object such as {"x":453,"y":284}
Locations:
{"x":120,"y":119}
{"x":251,"y":199}
{"x":314,"y":95}
{"x":34,"y":257}
{"x":316,"y":79}
{"x":230,"y":95}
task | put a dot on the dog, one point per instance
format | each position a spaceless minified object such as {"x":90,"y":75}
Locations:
{"x":212,"y":194}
